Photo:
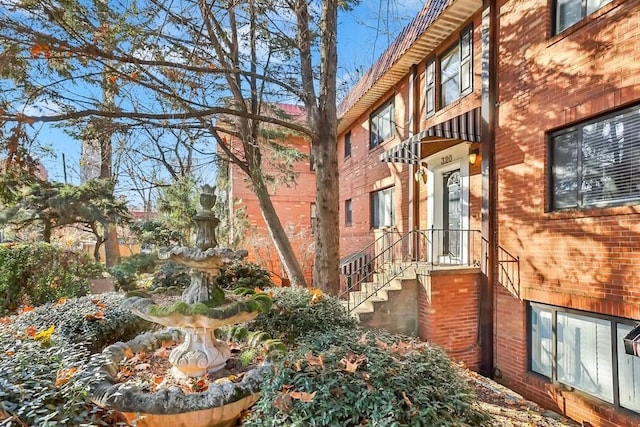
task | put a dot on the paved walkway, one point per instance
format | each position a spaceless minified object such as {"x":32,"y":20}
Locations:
{"x":509,"y":409}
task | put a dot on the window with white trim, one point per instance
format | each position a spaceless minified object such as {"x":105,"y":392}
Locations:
{"x":347,"y":145}
{"x":456,"y":69}
{"x":570,"y":12}
{"x":313,"y":217}
{"x":382,"y":124}
{"x":597,"y":163}
{"x":348,"y":212}
{"x":382,"y":208}
{"x":430,"y":95}
{"x":584,"y":351}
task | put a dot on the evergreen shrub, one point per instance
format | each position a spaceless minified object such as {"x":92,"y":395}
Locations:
{"x":36,"y":273}
{"x":297,"y":312}
{"x":347,"y":377}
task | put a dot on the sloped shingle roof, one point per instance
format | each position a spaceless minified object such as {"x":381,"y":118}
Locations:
{"x":435,"y":22}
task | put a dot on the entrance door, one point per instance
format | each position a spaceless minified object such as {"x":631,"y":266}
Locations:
{"x":452,"y":215}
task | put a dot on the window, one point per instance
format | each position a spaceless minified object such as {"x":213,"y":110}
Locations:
{"x":568,"y":12}
{"x":347,"y":145}
{"x":312,"y":160}
{"x":313,"y":216}
{"x":382,"y":208}
{"x":381,"y":124}
{"x":597,"y":163}
{"x":456,"y":70}
{"x":577,"y":349}
{"x":430,"y":96}
{"x":348,"y":212}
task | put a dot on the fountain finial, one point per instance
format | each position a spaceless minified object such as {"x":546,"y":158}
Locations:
{"x":206,"y":220}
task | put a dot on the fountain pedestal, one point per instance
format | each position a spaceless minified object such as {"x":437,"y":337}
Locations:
{"x":199,"y":353}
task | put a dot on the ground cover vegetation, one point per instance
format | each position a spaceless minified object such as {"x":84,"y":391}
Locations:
{"x":330,"y":372}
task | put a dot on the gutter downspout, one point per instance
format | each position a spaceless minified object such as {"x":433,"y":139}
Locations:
{"x":412,"y":125}
{"x":489,"y":183}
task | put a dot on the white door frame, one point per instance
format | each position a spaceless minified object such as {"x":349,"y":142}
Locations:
{"x":456,"y":157}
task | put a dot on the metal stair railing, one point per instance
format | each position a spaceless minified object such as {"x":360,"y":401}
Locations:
{"x":508,"y":268}
{"x":388,"y":257}
{"x":509,"y":271}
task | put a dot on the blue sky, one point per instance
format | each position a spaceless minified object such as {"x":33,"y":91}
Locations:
{"x":363,"y":34}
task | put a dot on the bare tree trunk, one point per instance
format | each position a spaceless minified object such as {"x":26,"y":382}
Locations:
{"x":321,"y":115}
{"x":105,"y":134}
{"x":278,"y":236}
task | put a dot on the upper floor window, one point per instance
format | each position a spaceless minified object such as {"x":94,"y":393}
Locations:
{"x":313,"y":216}
{"x":568,"y":12}
{"x":584,"y":351}
{"x":347,"y":144}
{"x":381,"y":124}
{"x":430,"y":95}
{"x":348,"y":212}
{"x":455,"y":70}
{"x":382,"y":208}
{"x":597,"y":163}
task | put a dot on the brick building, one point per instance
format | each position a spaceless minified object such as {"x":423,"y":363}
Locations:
{"x":495,"y":148}
{"x":294,"y":203}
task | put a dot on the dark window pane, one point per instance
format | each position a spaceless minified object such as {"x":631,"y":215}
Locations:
{"x":568,"y":13}
{"x":565,"y":170}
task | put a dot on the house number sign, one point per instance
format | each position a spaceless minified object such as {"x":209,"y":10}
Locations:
{"x":446,"y":159}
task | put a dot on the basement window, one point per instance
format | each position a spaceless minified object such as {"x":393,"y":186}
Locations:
{"x":584,"y":351}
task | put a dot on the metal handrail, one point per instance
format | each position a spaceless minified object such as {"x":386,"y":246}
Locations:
{"x":385,"y":264}
{"x":508,"y":268}
{"x":509,"y":271}
{"x":390,"y":255}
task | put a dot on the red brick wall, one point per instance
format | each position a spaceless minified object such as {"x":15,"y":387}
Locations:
{"x":363,"y":173}
{"x":448,"y":307}
{"x":293,"y":205}
{"x":582,"y":259}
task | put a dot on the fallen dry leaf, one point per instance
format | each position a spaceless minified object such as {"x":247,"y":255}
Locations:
{"x":26,"y":309}
{"x":63,"y":376}
{"x":382,"y":344}
{"x":128,"y":353}
{"x":351,"y":362}
{"x":61,"y":301}
{"x":94,"y":316}
{"x":314,"y":360}
{"x":316,"y":296}
{"x":302,"y":396}
{"x":298,"y":365}
{"x":31,"y":331}
{"x":99,"y":303}
{"x":283,"y":402}
{"x":363,"y":339}
{"x":5,"y":321}
{"x":406,"y":399}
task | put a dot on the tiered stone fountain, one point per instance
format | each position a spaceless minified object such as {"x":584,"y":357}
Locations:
{"x":204,"y":307}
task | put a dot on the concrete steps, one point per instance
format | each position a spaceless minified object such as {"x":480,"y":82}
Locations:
{"x":358,"y":299}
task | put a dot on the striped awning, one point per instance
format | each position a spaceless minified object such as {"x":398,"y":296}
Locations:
{"x":465,"y":127}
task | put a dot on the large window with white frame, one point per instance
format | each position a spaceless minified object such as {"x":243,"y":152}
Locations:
{"x":382,"y":208}
{"x":570,"y":12}
{"x":382,"y":124}
{"x":584,"y":351}
{"x":596,"y":163}
{"x":456,"y":70}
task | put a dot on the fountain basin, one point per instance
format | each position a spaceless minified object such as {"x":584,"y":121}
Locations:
{"x":218,"y":406}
